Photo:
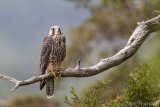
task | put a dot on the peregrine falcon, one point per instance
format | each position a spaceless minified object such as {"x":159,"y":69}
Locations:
{"x":53,"y":52}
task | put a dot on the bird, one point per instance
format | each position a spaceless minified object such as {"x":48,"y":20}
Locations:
{"x":53,"y":53}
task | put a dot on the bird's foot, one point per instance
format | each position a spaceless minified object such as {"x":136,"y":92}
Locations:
{"x":59,"y":75}
{"x":54,"y":75}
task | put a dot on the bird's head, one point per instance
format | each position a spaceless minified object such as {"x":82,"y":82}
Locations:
{"x":55,"y":30}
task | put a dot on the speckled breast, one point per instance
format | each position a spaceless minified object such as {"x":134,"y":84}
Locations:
{"x":55,"y":56}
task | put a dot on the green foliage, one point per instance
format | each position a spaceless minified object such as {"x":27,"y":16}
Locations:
{"x":142,"y":85}
{"x":75,"y":97}
{"x":91,"y":98}
{"x":141,"y":90}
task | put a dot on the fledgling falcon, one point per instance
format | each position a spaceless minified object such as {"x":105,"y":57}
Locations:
{"x":53,"y":52}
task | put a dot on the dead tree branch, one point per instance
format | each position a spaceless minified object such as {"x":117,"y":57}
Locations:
{"x":142,"y":31}
{"x":18,"y":83}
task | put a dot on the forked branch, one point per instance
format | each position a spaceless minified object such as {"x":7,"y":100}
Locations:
{"x":142,"y":31}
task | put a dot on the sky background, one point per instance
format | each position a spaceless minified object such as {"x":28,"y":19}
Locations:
{"x":23,"y":25}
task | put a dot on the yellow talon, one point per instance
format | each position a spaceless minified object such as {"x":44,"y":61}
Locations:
{"x":53,"y":74}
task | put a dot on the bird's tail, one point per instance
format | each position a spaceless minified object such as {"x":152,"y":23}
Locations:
{"x":42,"y":84}
{"x":50,"y":87}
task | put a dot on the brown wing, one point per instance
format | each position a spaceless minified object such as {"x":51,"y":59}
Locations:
{"x":44,"y":58}
{"x":63,"y":47}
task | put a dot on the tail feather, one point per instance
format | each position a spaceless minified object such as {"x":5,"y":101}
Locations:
{"x":50,"y":87}
{"x":42,"y":84}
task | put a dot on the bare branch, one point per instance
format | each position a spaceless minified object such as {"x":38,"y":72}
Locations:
{"x":18,"y":83}
{"x":10,"y":79}
{"x":142,"y":31}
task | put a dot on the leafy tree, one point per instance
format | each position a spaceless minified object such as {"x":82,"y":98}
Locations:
{"x":142,"y":90}
{"x":92,"y":97}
